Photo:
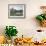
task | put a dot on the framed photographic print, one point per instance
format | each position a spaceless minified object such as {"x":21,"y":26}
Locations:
{"x":16,"y":10}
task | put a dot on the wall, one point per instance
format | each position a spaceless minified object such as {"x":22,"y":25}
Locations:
{"x":25,"y":26}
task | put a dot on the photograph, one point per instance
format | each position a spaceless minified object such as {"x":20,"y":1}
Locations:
{"x":16,"y":10}
{"x":22,"y":22}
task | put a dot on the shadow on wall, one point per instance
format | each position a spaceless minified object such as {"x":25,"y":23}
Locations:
{"x":34,"y":22}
